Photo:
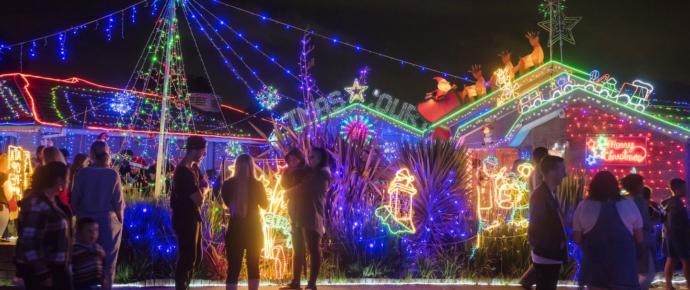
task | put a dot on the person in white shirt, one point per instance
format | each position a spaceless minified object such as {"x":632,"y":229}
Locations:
{"x":607,"y":227}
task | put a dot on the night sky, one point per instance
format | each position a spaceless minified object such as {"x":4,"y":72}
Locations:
{"x":646,"y":39}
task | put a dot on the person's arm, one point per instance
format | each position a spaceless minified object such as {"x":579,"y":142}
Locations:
{"x":636,"y":222}
{"x":118,"y":199}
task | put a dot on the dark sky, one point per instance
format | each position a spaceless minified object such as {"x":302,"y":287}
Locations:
{"x":643,"y":39}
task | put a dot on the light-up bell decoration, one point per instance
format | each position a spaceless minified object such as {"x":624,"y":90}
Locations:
{"x":397,"y":214}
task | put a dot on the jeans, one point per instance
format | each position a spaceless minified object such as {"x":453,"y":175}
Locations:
{"x":300,"y":237}
{"x":235,"y":255}
{"x":189,"y":252}
{"x":547,"y":276}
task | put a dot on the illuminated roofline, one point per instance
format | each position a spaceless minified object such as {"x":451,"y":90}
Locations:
{"x":75,"y":80}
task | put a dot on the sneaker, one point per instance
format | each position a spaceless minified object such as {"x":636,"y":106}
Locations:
{"x":310,"y":287}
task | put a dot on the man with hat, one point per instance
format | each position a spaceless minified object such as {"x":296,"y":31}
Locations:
{"x":188,"y":192}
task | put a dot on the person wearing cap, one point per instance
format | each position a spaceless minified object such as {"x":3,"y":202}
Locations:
{"x":97,"y":194}
{"x":189,"y":188}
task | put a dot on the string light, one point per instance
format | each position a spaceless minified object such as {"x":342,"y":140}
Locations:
{"x":268,"y":97}
{"x":62,"y":51}
{"x":109,"y":28}
{"x":33,"y":50}
{"x":133,"y":15}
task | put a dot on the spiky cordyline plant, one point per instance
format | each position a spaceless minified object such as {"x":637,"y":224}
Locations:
{"x":442,"y":211}
{"x":355,"y":238}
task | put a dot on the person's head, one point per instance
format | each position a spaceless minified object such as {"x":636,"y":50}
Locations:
{"x":295,"y":158}
{"x":100,"y":154}
{"x":318,"y":158}
{"x":65,"y":153}
{"x":678,"y":187}
{"x":603,"y":187}
{"x":244,"y":166}
{"x":539,"y":153}
{"x":4,"y":163}
{"x":87,"y":230}
{"x":633,"y":183}
{"x":51,"y":154}
{"x":39,"y":152}
{"x":647,"y":193}
{"x":80,"y":161}
{"x":49,"y":178}
{"x":552,"y":170}
{"x":196,"y":148}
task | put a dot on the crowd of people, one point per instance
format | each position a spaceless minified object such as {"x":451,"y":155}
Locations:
{"x":613,"y":227}
{"x":306,"y":183}
{"x":70,"y":223}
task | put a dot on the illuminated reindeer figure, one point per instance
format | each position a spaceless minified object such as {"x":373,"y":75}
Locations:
{"x":535,"y":58}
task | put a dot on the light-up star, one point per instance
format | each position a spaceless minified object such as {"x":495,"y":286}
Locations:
{"x":356,"y":91}
{"x":562,"y":30}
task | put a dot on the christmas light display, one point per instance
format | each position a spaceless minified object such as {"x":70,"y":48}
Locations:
{"x":357,"y":127}
{"x":356,"y":92}
{"x":20,"y":170}
{"x":502,"y":197}
{"x":15,"y":107}
{"x":397,"y":214}
{"x":268,"y":97}
{"x":664,"y":155}
{"x":276,"y":226}
{"x":507,"y":86}
{"x":613,"y":150}
{"x":233,"y":149}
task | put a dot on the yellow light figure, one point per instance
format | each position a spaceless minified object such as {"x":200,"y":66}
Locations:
{"x":502,"y":198}
{"x":397,"y":215}
{"x":509,"y":89}
{"x":276,"y":226}
{"x":19,"y":176}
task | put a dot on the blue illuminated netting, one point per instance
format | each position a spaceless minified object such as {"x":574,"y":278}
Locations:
{"x":148,"y":232}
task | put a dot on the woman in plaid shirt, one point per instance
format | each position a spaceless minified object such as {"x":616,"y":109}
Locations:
{"x":44,"y":232}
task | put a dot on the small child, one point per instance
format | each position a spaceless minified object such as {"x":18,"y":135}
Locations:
{"x":87,"y":256}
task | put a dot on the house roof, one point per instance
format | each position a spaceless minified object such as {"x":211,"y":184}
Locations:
{"x":76,"y":103}
{"x":541,"y":93}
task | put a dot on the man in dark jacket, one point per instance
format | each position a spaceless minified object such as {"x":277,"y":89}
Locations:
{"x":189,"y":190}
{"x":546,"y":232}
